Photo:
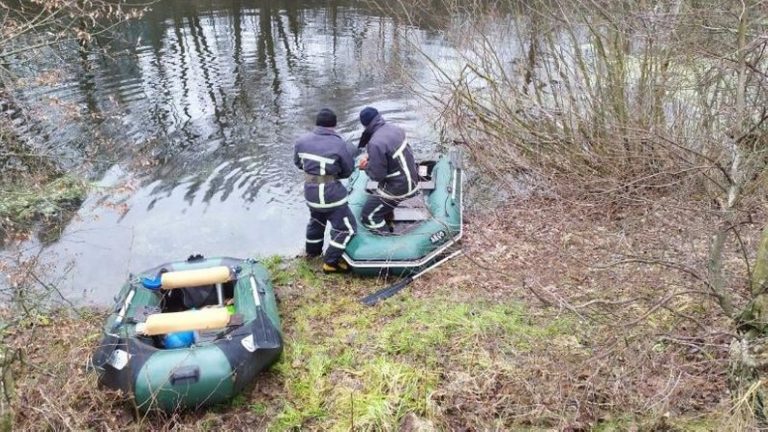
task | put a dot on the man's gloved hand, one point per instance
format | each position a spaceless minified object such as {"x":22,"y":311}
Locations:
{"x":363,"y":164}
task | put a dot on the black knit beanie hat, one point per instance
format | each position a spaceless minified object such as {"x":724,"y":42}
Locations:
{"x":326,"y":118}
{"x":367,"y":115}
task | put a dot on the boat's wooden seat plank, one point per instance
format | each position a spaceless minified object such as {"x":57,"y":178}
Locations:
{"x":415,"y":202}
{"x":428,"y":185}
{"x":410,"y":214}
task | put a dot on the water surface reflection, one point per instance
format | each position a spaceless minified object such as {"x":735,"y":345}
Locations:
{"x":193,"y":114}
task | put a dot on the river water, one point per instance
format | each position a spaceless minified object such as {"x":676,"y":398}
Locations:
{"x":186,"y":126}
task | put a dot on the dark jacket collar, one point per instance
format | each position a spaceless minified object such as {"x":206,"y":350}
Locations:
{"x":320,"y":130}
{"x":376,"y":123}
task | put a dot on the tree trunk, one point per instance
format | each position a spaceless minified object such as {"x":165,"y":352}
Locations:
{"x":749,"y":355}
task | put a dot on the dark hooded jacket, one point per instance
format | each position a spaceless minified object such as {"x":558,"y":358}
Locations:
{"x":323,"y":152}
{"x":390,"y":159}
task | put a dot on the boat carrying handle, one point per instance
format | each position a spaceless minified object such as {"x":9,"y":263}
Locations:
{"x":185,"y":375}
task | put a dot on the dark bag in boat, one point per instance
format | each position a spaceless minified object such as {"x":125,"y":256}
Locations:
{"x":195,"y":298}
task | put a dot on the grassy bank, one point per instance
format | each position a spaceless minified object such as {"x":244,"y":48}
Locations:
{"x":345,"y":366}
{"x":466,"y":348}
{"x":349,"y":366}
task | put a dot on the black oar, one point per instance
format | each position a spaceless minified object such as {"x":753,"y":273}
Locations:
{"x":384,"y":293}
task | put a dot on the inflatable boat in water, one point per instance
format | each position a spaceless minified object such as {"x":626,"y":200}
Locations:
{"x":425,"y":226}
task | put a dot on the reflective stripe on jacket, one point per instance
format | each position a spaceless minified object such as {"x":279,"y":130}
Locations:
{"x":390,"y":160}
{"x":323,"y":152}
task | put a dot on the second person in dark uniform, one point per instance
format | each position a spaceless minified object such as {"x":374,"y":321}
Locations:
{"x":391,"y":163}
{"x":324,"y":157}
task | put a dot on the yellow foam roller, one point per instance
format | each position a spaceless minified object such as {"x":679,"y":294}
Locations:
{"x":195,"y":278}
{"x":203,"y":319}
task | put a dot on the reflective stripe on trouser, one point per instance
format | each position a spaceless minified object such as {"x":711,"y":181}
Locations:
{"x":377,"y":211}
{"x":343,"y":227}
{"x":316,"y":232}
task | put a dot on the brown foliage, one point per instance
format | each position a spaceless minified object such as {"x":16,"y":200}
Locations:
{"x":28,"y":25}
{"x":652,"y":345}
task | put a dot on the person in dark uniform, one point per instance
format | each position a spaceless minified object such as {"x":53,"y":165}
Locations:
{"x":389,"y":162}
{"x":324,"y":157}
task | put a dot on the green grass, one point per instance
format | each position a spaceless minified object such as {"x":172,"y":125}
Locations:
{"x":350,"y":366}
{"x":258,"y":408}
{"x":238,"y":401}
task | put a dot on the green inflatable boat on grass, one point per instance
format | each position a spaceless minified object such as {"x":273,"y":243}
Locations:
{"x":425,"y":226}
{"x":190,"y":334}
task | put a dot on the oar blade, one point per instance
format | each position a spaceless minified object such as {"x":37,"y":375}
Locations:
{"x":387,"y":292}
{"x":393,"y":289}
{"x":104,"y":351}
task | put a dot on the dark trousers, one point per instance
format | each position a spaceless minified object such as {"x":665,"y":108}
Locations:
{"x":377,"y":211}
{"x":343,"y":227}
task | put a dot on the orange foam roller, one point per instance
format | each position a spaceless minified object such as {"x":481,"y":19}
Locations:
{"x":203,"y":319}
{"x":195,"y":278}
